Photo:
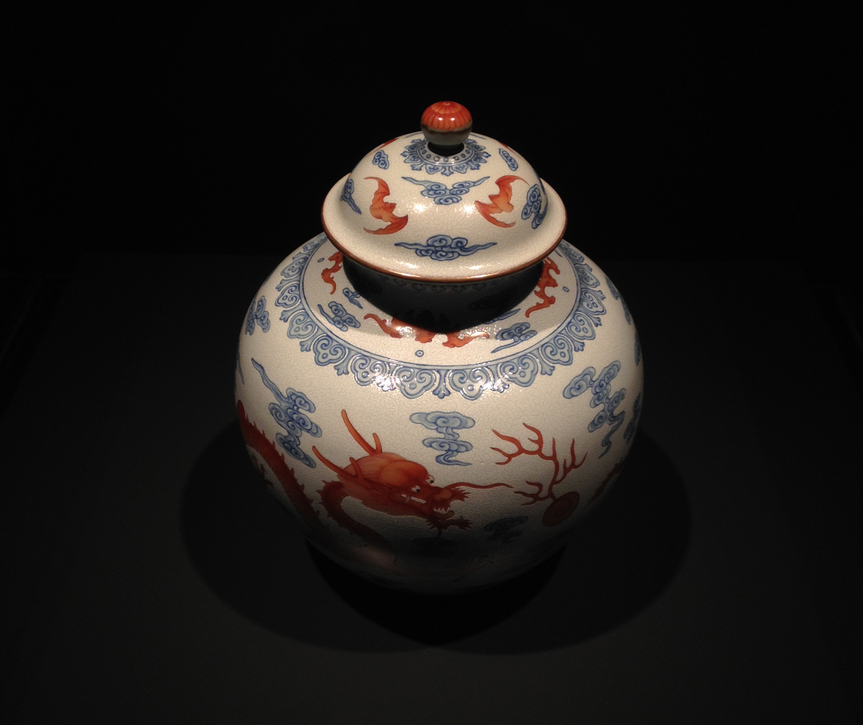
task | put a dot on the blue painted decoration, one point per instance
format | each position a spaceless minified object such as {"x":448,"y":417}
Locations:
{"x":515,"y":334}
{"x":381,"y":159}
{"x":340,"y":317}
{"x":617,"y":296}
{"x":442,"y":194}
{"x":291,"y":411}
{"x":447,"y":425}
{"x":533,"y":207}
{"x":444,"y":248}
{"x":602,"y":398}
{"x":258,"y":315}
{"x":507,"y":157}
{"x":352,"y":296}
{"x":420,"y":158}
{"x":348,"y":196}
{"x":415,"y":379}
{"x":627,"y":315}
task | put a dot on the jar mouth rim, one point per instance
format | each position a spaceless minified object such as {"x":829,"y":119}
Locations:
{"x":441,"y":280}
{"x":344,"y":244}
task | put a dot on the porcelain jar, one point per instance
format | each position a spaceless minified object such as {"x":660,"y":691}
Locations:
{"x":439,"y":387}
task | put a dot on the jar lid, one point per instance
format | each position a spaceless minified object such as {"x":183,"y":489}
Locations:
{"x":444,"y":204}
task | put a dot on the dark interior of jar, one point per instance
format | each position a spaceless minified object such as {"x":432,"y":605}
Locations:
{"x":442,"y":307}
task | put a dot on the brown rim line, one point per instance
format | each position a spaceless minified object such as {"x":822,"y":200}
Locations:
{"x":443,"y":280}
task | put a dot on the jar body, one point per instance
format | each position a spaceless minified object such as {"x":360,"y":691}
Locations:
{"x":437,"y":461}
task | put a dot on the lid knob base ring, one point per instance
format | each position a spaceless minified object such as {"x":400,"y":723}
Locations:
{"x":446,"y":151}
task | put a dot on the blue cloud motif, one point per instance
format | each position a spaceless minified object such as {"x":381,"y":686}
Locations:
{"x":600,"y":386}
{"x":533,"y":207}
{"x":348,"y":195}
{"x":291,"y":411}
{"x":447,"y":425}
{"x":352,"y":296}
{"x":258,"y":314}
{"x":381,"y":159}
{"x":339,"y":316}
{"x":444,"y":248}
{"x":519,"y":332}
{"x":443,"y":195}
{"x":507,"y":157}
{"x":543,"y":356}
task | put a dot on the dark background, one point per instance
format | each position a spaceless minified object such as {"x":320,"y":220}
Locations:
{"x":704,"y":154}
{"x":670,"y":131}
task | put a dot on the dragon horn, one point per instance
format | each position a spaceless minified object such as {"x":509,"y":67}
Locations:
{"x":359,"y":439}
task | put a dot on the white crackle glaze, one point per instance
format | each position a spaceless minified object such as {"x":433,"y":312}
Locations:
{"x":499,"y":197}
{"x":437,"y":461}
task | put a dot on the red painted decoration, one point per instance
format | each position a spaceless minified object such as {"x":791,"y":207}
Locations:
{"x":499,"y":203}
{"x":327,"y":274}
{"x":446,"y":116}
{"x":266,"y":449}
{"x":562,"y":507}
{"x":389,"y":483}
{"x":397,"y":329}
{"x":545,"y":281}
{"x":383,"y":210}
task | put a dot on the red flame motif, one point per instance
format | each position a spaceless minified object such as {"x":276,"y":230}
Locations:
{"x":383,"y":210}
{"x":328,"y":274}
{"x":562,"y":507}
{"x":398,"y":329}
{"x":499,"y":203}
{"x":545,"y":281}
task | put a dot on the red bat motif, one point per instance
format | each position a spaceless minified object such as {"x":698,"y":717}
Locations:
{"x":499,"y":203}
{"x":383,"y":210}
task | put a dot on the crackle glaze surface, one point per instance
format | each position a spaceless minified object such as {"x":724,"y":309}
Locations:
{"x":439,"y":462}
{"x":408,"y":211}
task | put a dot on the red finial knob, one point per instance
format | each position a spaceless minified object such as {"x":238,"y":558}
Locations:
{"x":446,"y":124}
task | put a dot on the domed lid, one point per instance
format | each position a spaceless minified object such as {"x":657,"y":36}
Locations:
{"x":444,"y":204}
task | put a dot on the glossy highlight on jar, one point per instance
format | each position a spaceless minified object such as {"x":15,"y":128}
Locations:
{"x":438,"y":386}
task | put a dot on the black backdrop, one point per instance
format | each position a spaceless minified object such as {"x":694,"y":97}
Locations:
{"x":670,"y":132}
